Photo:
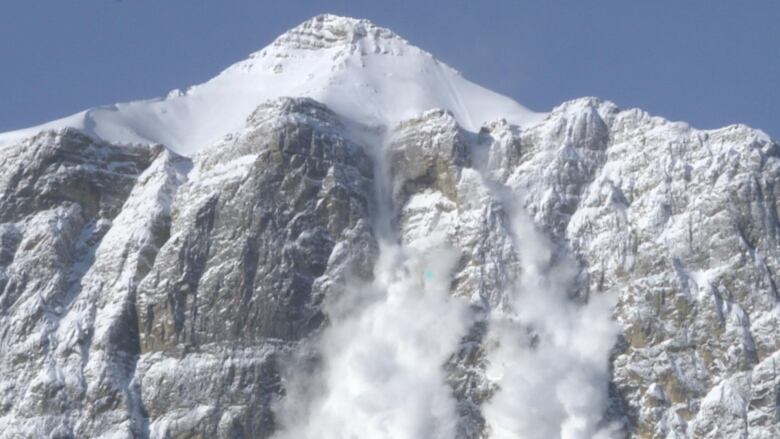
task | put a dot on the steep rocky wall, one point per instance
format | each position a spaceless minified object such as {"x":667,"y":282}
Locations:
{"x":82,"y":222}
{"x":269,"y":221}
{"x":143,"y":294}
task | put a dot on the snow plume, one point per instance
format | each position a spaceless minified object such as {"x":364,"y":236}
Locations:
{"x":381,"y":374}
{"x":548,"y":353}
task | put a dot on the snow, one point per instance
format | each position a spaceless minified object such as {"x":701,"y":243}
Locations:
{"x":363,"y":72}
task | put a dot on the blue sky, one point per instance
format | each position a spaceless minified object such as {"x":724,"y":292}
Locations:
{"x":708,"y":62}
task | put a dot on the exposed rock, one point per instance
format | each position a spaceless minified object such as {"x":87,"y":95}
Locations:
{"x":143,"y":294}
{"x":83,"y":221}
{"x":269,"y":221}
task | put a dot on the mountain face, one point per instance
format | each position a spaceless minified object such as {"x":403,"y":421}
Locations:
{"x":341,"y":237}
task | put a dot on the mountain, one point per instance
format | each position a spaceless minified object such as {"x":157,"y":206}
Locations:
{"x":364,"y":72}
{"x":342,"y":237}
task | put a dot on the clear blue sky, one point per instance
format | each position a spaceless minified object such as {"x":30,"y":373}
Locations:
{"x":709,"y":62}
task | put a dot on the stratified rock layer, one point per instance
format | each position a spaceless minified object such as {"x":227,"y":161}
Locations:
{"x":143,"y":294}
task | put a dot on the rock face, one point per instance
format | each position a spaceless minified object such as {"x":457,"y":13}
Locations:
{"x":147,"y":294}
{"x":269,"y":221}
{"x":82,"y":222}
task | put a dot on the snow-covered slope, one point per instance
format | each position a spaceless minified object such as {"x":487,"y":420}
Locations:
{"x":363,"y":72}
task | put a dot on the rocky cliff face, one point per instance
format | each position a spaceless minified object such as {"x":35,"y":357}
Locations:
{"x":680,"y":225}
{"x":148,"y":294}
{"x":82,"y":224}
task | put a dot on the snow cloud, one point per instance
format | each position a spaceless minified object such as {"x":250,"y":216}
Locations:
{"x":548,"y":353}
{"x":382,"y":374}
{"x":377,"y":370}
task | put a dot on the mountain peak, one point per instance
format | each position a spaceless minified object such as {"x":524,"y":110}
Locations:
{"x":361,"y":71}
{"x":327,"y":30}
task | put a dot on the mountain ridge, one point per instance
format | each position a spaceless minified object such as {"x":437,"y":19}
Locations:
{"x":364,"y":72}
{"x":598,"y":273}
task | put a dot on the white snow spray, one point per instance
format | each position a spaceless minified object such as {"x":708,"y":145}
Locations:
{"x":384,"y":353}
{"x":380,"y":363}
{"x":547,"y":353}
{"x":381,"y":370}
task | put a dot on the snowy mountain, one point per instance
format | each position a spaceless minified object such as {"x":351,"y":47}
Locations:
{"x":364,"y":72}
{"x":342,"y":237}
